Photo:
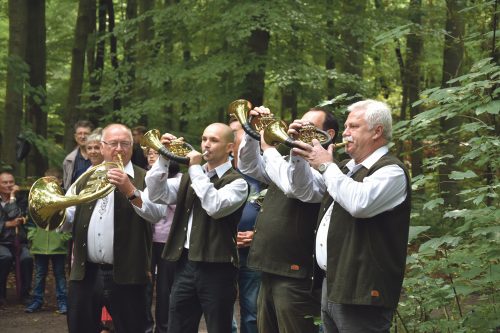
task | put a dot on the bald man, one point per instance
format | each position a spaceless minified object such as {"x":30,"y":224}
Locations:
{"x":202,"y":239}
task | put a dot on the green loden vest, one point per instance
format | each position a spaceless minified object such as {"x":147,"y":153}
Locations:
{"x":367,"y":256}
{"x":283,"y":243}
{"x":211,"y":240}
{"x":131,"y":242}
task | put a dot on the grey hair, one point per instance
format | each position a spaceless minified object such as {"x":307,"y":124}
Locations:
{"x":96,"y":135}
{"x":376,"y":113}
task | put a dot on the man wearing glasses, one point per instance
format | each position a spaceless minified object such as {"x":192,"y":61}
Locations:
{"x":112,"y":245}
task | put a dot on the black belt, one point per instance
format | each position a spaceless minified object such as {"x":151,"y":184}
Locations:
{"x":102,"y":267}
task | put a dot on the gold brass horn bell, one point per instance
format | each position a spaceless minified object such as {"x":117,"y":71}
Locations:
{"x":240,"y":109}
{"x":276,"y":133}
{"x":177,"y":151}
{"x":47,"y":202}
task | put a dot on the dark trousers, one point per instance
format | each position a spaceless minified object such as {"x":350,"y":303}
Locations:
{"x":287,"y":305}
{"x":163,"y":273}
{"x":351,"y":318}
{"x":202,"y":288}
{"x":126,"y":303}
{"x":7,"y":258}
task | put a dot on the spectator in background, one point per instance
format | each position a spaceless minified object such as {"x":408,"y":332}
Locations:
{"x":13,"y":240}
{"x":138,"y":154}
{"x":49,"y":246}
{"x":162,"y":271}
{"x":76,"y":162}
{"x":93,"y":147}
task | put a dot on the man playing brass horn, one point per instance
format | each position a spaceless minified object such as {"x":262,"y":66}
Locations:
{"x":202,"y":239}
{"x":363,"y":224}
{"x":112,"y":245}
{"x":283,"y":244}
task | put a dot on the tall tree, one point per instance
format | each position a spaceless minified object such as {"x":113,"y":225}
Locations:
{"x":72,"y":113}
{"x":414,"y":43}
{"x":257,"y":46}
{"x":36,"y":54}
{"x":350,"y":60}
{"x":452,"y":65}
{"x":96,"y":50}
{"x":15,"y":81}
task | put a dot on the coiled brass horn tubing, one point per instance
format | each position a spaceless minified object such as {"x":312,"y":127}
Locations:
{"x":47,"y":202}
{"x":240,"y":109}
{"x":151,"y":139}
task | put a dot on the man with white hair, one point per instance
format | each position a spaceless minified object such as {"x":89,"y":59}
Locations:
{"x":363,"y":224}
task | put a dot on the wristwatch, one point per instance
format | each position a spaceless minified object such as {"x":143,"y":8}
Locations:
{"x":323,"y":166}
{"x":136,"y":194}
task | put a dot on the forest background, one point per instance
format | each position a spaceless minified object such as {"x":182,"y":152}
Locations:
{"x":175,"y":65}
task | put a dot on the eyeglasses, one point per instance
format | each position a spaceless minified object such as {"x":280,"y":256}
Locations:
{"x":115,"y":144}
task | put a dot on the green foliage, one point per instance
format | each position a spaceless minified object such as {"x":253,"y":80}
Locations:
{"x":453,"y":271}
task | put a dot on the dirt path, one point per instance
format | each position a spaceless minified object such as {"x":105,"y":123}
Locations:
{"x":13,"y":319}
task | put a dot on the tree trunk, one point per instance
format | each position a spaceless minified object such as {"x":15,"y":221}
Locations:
{"x":96,"y":71}
{"x":145,"y":35}
{"x":257,"y":45}
{"x":289,"y":102}
{"x":350,"y":61}
{"x":15,"y":82}
{"x":452,"y":65}
{"x":414,"y":51}
{"x":128,"y":49}
{"x":36,"y":57}
{"x":113,"y":49}
{"x":72,"y":113}
{"x":330,"y":59}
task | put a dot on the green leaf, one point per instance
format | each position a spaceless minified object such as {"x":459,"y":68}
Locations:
{"x":415,"y":231}
{"x":457,"y":175}
{"x":435,"y":243}
{"x":430,"y":205}
{"x":492,"y":107}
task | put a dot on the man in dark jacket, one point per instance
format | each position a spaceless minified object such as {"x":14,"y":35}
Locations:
{"x":13,"y":240}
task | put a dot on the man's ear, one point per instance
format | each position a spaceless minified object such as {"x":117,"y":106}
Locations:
{"x":230,"y":147}
{"x":378,"y":131}
{"x":331,"y":132}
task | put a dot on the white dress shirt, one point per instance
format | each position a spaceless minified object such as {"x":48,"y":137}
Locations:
{"x":383,"y":190}
{"x":101,"y":226}
{"x":272,"y":167}
{"x":216,"y":202}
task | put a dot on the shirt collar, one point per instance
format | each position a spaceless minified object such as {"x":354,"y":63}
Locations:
{"x":369,"y":161}
{"x":221,"y":169}
{"x":129,"y":169}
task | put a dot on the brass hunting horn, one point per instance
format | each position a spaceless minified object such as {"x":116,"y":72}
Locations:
{"x":177,"y":150}
{"x":47,"y":202}
{"x":276,"y":133}
{"x":251,"y":125}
